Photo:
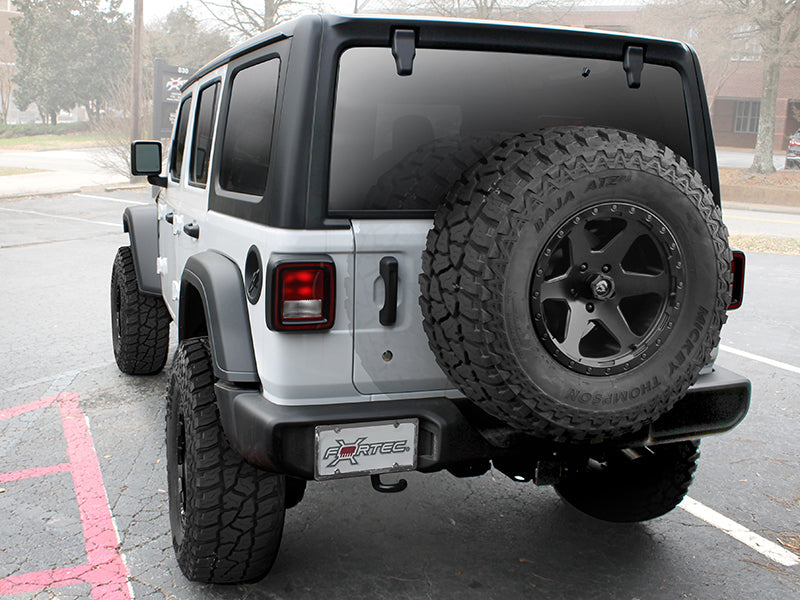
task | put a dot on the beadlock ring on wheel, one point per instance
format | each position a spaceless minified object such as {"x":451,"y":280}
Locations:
{"x":606,"y":288}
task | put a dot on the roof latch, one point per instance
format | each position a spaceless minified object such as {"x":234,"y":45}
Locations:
{"x":404,"y":42}
{"x":633,"y":65}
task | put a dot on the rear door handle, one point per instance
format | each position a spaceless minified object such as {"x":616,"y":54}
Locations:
{"x":192,"y":230}
{"x":388,"y":271}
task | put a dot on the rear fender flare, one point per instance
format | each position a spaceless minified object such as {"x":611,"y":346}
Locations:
{"x":212,"y":303}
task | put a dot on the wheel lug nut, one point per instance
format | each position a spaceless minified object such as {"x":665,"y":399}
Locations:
{"x":590,"y":307}
{"x":584,"y":267}
{"x":606,"y":268}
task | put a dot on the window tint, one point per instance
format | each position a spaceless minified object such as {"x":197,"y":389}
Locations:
{"x":179,"y":140}
{"x":389,"y":130}
{"x":203,"y":134}
{"x":248,"y":132}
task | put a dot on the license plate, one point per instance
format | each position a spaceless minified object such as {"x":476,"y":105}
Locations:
{"x":365,"y":448}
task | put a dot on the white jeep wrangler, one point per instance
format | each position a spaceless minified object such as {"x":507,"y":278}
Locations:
{"x":395,"y":244}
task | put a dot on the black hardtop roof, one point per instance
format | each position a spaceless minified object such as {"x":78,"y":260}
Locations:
{"x":470,"y":28}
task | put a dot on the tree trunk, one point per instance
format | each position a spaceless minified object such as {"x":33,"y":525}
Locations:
{"x":765,"y":140}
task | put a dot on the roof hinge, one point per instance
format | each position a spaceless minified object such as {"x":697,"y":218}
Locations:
{"x":633,"y":65}
{"x":404,"y":42}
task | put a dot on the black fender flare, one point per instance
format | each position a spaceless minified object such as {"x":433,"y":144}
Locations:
{"x":141,"y":225}
{"x":217,"y":284}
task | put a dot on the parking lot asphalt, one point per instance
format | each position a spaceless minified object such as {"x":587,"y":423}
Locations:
{"x":82,"y":468}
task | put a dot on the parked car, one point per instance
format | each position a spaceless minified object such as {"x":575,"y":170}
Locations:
{"x":793,"y":152}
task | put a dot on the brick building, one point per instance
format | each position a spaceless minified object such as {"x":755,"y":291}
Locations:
{"x":736,"y":88}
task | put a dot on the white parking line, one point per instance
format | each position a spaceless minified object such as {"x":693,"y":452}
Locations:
{"x":110,"y":199}
{"x":763,"y":359}
{"x":763,"y":546}
{"x":41,"y":214}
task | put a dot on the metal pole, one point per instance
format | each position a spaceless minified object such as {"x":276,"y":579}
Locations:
{"x":136,"y":65}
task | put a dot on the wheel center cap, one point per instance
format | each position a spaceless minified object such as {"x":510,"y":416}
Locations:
{"x":602,"y":287}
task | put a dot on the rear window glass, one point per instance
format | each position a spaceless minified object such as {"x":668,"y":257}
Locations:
{"x":390,"y":129}
{"x":203,"y":134}
{"x":179,"y":140}
{"x":248,"y":133}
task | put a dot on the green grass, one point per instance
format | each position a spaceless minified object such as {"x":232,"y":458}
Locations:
{"x":17,"y":171}
{"x":28,"y":129}
{"x":53,"y":142}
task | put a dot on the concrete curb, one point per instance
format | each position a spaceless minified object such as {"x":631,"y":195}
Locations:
{"x":67,"y":190}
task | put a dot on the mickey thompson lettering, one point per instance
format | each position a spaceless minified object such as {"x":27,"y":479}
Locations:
{"x":590,"y":399}
{"x":691,"y":340}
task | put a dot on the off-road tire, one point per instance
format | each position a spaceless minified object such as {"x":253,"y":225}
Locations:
{"x":624,"y":490}
{"x":139,"y":322}
{"x":506,"y":217}
{"x":421,"y":180}
{"x":226,"y":515}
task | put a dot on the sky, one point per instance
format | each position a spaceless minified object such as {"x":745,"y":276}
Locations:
{"x":154,"y":9}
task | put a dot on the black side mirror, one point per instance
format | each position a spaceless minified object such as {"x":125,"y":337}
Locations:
{"x":146,"y":160}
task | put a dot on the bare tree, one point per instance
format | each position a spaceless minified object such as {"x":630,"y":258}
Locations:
{"x":777,"y":25}
{"x":728,"y":32}
{"x":710,"y":32}
{"x":6,"y":89}
{"x":249,"y":17}
{"x":510,"y":10}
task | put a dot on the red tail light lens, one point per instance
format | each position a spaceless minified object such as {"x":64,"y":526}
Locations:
{"x":303,"y":296}
{"x":737,"y":285}
{"x":794,"y":143}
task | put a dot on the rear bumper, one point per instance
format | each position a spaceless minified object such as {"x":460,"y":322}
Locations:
{"x":281,"y":438}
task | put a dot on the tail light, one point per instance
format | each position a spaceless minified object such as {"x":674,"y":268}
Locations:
{"x":302,"y":295}
{"x":737,"y":284}
{"x":794,"y":142}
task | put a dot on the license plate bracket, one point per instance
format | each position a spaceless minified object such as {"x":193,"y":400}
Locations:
{"x":365,"y":448}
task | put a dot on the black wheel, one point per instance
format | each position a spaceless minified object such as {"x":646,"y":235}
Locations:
{"x":575,"y":282}
{"x":139,"y":322}
{"x":628,"y":486}
{"x":421,"y":179}
{"x":226,"y":515}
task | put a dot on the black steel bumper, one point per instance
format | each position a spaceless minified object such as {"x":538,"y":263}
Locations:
{"x":281,"y":438}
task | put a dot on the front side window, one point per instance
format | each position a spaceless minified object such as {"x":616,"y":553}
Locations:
{"x":179,"y":140}
{"x":203,"y":134}
{"x":391,"y":132}
{"x":248,"y":132}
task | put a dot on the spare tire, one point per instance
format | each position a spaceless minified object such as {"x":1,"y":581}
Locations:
{"x":575,"y":282}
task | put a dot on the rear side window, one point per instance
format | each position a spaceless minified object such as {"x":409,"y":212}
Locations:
{"x":248,"y":133}
{"x":203,"y":134}
{"x":179,"y":140}
{"x":390,"y":133}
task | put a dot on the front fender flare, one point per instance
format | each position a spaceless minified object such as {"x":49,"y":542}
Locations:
{"x":141,"y":225}
{"x":218,"y":282}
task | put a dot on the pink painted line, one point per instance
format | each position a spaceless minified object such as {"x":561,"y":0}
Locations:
{"x":35,"y":472}
{"x":106,"y":571}
{"x":8,"y":413}
{"x":109,"y":576}
{"x":40,"y":580}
